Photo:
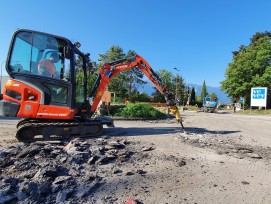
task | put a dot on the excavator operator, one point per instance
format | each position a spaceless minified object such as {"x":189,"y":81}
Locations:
{"x":46,"y":67}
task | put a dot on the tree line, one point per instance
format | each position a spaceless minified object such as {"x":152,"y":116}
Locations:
{"x":250,"y":67}
{"x":126,"y":85}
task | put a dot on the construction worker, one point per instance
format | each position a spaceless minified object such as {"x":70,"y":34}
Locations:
{"x":47,"y":67}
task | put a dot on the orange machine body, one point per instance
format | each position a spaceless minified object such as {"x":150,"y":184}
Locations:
{"x":31,"y":102}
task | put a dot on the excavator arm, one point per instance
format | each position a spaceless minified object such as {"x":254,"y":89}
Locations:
{"x":110,"y":70}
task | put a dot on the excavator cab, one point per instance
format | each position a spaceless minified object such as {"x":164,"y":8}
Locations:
{"x":34,"y":92}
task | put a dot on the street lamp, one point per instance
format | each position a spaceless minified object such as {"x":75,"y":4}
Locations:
{"x":177,"y":70}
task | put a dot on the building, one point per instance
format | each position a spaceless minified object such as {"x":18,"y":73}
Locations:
{"x":3,"y":81}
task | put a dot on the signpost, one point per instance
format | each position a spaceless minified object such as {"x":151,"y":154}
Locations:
{"x":258,"y":96}
{"x":242,"y":100}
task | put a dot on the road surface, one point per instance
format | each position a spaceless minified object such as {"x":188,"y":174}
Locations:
{"x":219,"y":158}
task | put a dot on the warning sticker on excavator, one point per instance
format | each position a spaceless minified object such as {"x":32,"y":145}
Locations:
{"x":52,"y":114}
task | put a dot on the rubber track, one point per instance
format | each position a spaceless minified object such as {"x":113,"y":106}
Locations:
{"x":27,"y":130}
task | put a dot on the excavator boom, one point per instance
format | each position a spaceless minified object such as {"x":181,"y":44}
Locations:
{"x":111,"y":69}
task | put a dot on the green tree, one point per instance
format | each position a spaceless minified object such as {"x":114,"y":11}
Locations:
{"x":172,"y":82}
{"x":181,"y":86}
{"x":250,"y":67}
{"x":168,"y":80}
{"x":203,"y":92}
{"x":117,"y":84}
{"x":139,"y":97}
{"x":259,"y":35}
{"x":125,"y":82}
{"x":143,"y":97}
{"x":135,"y":76}
{"x":114,"y":53}
{"x":193,"y":96}
{"x":213,"y":97}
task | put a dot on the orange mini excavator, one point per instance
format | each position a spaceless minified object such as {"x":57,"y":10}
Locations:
{"x":55,"y":103}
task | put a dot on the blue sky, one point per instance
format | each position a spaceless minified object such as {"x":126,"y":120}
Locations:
{"x":195,"y":36}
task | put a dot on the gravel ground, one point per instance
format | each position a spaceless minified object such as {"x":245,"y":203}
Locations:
{"x":219,"y":158}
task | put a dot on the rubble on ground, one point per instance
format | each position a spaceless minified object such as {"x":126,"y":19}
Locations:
{"x":59,"y":171}
{"x":224,"y":145}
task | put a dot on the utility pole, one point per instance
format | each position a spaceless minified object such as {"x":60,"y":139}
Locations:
{"x":177,"y":70}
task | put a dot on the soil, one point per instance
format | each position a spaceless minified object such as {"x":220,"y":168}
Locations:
{"x":219,"y":158}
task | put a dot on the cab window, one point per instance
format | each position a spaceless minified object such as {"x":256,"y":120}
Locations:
{"x":30,"y":48}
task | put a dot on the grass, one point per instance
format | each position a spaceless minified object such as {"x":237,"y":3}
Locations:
{"x":255,"y":112}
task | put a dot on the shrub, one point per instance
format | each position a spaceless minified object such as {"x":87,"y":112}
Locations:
{"x":115,"y":110}
{"x":140,"y":111}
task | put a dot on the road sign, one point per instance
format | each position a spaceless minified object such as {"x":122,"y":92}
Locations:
{"x":258,"y":96}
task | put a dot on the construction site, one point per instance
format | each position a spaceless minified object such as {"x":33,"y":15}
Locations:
{"x":218,"y":158}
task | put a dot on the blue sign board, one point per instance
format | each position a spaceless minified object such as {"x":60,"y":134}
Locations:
{"x":258,"y":96}
{"x":258,"y":93}
{"x":241,"y":99}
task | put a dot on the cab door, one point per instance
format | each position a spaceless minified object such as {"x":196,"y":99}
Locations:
{"x":28,"y":49}
{"x":49,"y":94}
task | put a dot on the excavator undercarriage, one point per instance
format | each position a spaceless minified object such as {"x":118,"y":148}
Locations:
{"x":29,"y":130}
